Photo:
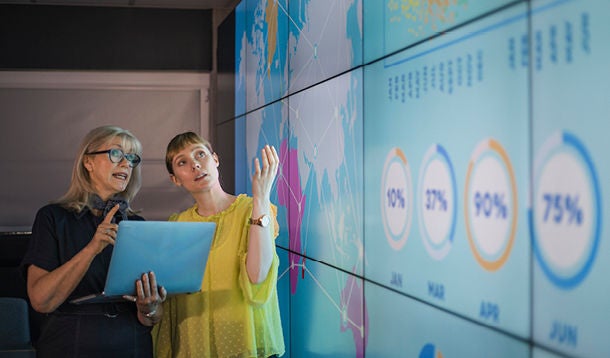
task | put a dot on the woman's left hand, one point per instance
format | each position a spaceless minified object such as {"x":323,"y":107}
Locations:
{"x":149,"y":297}
{"x":263,"y":178}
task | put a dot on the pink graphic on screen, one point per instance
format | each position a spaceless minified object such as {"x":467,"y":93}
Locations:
{"x":291,"y":197}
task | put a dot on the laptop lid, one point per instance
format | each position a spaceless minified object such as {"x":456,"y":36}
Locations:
{"x":176,"y":252}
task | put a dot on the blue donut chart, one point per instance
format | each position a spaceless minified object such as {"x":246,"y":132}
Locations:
{"x":438,"y":152}
{"x":441,"y":150}
{"x":572,"y":141}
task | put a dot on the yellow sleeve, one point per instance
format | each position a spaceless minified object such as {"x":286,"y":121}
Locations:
{"x":258,"y":294}
{"x":276,"y":225}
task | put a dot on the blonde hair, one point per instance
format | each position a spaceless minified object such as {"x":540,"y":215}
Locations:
{"x":81,"y":189}
{"x":180,"y":142}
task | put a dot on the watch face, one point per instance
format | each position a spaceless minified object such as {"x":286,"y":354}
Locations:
{"x":264,"y":221}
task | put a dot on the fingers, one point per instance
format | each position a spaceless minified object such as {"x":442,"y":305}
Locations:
{"x":107,"y":232}
{"x":110,"y":215}
{"x":269,"y":157}
{"x":272,"y":159}
{"x":263,"y":178}
{"x":162,"y":294}
{"x":264,"y":157}
{"x":130,"y":298}
{"x":153,"y":284}
{"x":275,"y":159}
{"x":146,"y":285}
{"x":257,"y":167}
{"x":269,"y":160}
{"x":140,"y":290}
{"x":104,"y":234}
{"x":147,"y":290}
{"x":149,"y":297}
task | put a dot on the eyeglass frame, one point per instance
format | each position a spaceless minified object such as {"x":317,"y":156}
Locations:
{"x":133,"y":162}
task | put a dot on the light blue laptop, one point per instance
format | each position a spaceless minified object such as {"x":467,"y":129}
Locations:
{"x":177,"y":252}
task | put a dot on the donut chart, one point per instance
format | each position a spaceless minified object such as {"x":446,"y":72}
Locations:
{"x":565,"y":218}
{"x":437,"y":203}
{"x":396,"y":198}
{"x":490,"y":205}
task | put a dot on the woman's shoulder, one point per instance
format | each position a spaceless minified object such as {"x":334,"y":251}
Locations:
{"x":243,"y":199}
{"x":244,"y":202}
{"x":185,"y":215}
{"x":53,"y":209}
{"x":241,"y":202}
{"x":51,"y":214}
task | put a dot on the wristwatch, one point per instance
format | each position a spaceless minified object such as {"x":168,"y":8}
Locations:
{"x":262,"y":220}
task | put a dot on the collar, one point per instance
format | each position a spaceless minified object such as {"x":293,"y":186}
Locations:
{"x":95,"y":202}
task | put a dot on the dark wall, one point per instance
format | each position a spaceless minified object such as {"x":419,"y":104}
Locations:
{"x":104,"y":38}
{"x":225,"y":68}
{"x":225,"y":101}
{"x":94,"y":38}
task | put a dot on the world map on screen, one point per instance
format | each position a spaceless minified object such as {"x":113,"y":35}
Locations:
{"x":317,"y":134}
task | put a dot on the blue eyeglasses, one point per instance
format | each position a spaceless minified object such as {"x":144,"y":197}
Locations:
{"x":116,"y":155}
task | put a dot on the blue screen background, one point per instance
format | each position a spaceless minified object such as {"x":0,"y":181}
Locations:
{"x":443,"y":184}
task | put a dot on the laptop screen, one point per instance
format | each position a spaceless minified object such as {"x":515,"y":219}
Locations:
{"x":176,"y":252}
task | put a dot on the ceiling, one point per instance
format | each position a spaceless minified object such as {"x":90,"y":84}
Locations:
{"x":167,"y":4}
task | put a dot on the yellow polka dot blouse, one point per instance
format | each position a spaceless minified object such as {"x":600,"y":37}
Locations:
{"x":230,"y":316}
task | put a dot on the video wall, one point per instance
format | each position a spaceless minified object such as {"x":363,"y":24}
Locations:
{"x":443,"y":164}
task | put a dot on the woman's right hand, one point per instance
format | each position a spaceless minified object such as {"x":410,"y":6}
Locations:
{"x":105,"y":233}
{"x":263,"y":178}
{"x":47,"y":290}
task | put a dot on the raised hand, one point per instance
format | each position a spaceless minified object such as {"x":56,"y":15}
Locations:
{"x":263,"y":178}
{"x":105,"y":233}
{"x":260,"y":240}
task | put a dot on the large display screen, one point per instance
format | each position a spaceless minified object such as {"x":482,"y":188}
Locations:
{"x":571,"y":173}
{"x":447,"y":171}
{"x":392,"y":25}
{"x":325,"y":40}
{"x":443,"y":180}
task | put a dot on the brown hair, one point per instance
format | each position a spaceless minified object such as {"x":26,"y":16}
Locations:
{"x":180,"y":142}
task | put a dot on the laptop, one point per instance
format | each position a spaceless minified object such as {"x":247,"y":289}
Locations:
{"x":177,"y":252}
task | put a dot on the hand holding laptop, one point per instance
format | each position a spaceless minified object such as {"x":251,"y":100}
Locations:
{"x":176,"y":252}
{"x":149,"y":298}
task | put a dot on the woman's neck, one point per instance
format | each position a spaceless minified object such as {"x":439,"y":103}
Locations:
{"x":213,"y":202}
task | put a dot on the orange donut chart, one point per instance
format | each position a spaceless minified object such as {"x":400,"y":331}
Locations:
{"x":494,"y":145}
{"x":397,"y":231}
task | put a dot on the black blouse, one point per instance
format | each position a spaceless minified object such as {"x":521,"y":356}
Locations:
{"x":58,"y":234}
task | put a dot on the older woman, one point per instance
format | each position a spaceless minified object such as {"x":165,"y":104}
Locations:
{"x":70,"y":251}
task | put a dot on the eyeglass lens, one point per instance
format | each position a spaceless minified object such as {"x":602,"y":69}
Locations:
{"x":116,"y":155}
